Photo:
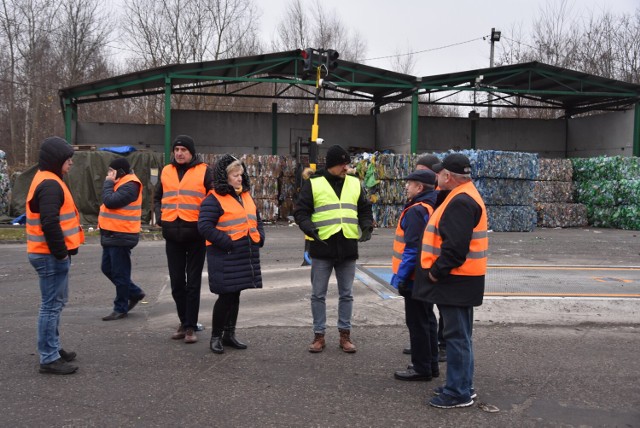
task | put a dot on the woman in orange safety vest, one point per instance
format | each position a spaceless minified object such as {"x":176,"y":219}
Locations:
{"x":230,"y":222}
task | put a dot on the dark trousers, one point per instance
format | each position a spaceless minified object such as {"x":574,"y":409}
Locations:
{"x":186,"y":260}
{"x":442,"y":344}
{"x":225,"y":312}
{"x":423,"y":334}
{"x":116,"y":265}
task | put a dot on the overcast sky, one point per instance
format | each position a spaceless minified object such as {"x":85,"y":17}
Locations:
{"x":390,"y":26}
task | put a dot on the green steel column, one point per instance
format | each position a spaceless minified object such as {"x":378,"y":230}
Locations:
{"x":274,"y":128}
{"x":414,"y":123}
{"x":636,"y":131}
{"x":167,"y":120}
{"x":70,"y":115}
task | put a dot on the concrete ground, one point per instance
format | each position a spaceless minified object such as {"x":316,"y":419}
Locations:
{"x":542,"y":361}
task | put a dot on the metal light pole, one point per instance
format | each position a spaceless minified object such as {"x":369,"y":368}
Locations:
{"x":495,"y":37}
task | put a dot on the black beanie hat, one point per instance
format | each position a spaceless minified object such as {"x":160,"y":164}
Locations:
{"x":121,"y":163}
{"x":185,"y":141}
{"x":336,"y":155}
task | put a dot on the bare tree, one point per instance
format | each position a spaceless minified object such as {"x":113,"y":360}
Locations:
{"x":310,"y":25}
{"x":81,"y":40}
{"x":10,"y":25}
{"x":601,"y":43}
{"x":36,"y":51}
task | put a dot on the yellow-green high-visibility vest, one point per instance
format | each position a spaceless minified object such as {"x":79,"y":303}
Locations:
{"x":332,"y":214}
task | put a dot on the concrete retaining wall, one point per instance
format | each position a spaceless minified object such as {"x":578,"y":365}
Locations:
{"x":251,"y":133}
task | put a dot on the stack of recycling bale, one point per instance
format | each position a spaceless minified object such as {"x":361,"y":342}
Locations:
{"x":382,"y":176}
{"x":506,"y":181}
{"x":610,"y":188}
{"x":553,"y":194}
{"x":287,"y":187}
{"x":266,"y":173}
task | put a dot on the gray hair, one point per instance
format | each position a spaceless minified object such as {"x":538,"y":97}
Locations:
{"x":460,"y":178}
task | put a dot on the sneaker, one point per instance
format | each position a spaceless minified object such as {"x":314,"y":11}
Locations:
{"x":58,"y":367}
{"x":439,"y":390}
{"x":446,"y":401}
{"x":67,"y":356}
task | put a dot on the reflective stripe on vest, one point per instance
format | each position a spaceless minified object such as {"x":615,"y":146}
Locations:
{"x":125,"y":219}
{"x":332,"y":214}
{"x":182,"y":198}
{"x":68,"y":216}
{"x":399,"y":242}
{"x":476,"y":258}
{"x":238,"y":220}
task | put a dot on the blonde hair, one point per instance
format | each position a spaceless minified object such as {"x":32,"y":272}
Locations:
{"x":236,"y":164}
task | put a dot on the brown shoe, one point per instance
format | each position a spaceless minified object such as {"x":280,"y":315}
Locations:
{"x":318,"y":343}
{"x":190,"y":336}
{"x":179,"y":334}
{"x":345,"y":342}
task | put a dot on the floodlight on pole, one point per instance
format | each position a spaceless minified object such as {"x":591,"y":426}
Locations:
{"x":495,"y":37}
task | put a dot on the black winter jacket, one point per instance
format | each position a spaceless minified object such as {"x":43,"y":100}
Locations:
{"x":232,"y":265}
{"x":49,"y":197}
{"x":461,"y":215}
{"x":180,"y":230}
{"x":126,"y":194}
{"x":338,"y":246}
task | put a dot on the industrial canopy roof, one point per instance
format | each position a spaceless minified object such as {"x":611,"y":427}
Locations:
{"x":555,"y":87}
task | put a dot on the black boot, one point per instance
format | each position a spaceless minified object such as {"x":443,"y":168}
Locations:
{"x":229,"y":338}
{"x":229,"y":335}
{"x":216,"y":335}
{"x":216,"y":344}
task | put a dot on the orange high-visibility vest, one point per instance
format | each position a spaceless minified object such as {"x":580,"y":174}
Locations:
{"x":69,"y":218}
{"x":399,"y":242}
{"x":238,"y":220}
{"x":182,"y":198}
{"x":476,"y":261}
{"x":127,"y":218}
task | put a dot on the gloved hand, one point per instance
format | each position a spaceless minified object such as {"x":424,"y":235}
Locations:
{"x":366,"y":234}
{"x":399,"y":283}
{"x":316,"y":237}
{"x":403,"y":287}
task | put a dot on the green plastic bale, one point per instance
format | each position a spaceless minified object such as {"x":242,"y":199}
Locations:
{"x":596,"y":192}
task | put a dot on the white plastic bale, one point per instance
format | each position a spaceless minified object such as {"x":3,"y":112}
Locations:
{"x":558,"y":214}
{"x":553,"y":191}
{"x":554,"y":170}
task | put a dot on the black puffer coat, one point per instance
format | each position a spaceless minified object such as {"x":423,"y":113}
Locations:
{"x":49,"y":197}
{"x":232,"y":265}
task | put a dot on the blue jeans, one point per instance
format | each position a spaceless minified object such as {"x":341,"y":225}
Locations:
{"x":54,"y":291}
{"x":116,"y":265}
{"x":458,"y":329}
{"x":320,"y":273}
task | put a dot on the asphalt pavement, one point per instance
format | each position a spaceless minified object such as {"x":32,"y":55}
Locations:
{"x":542,"y":359}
